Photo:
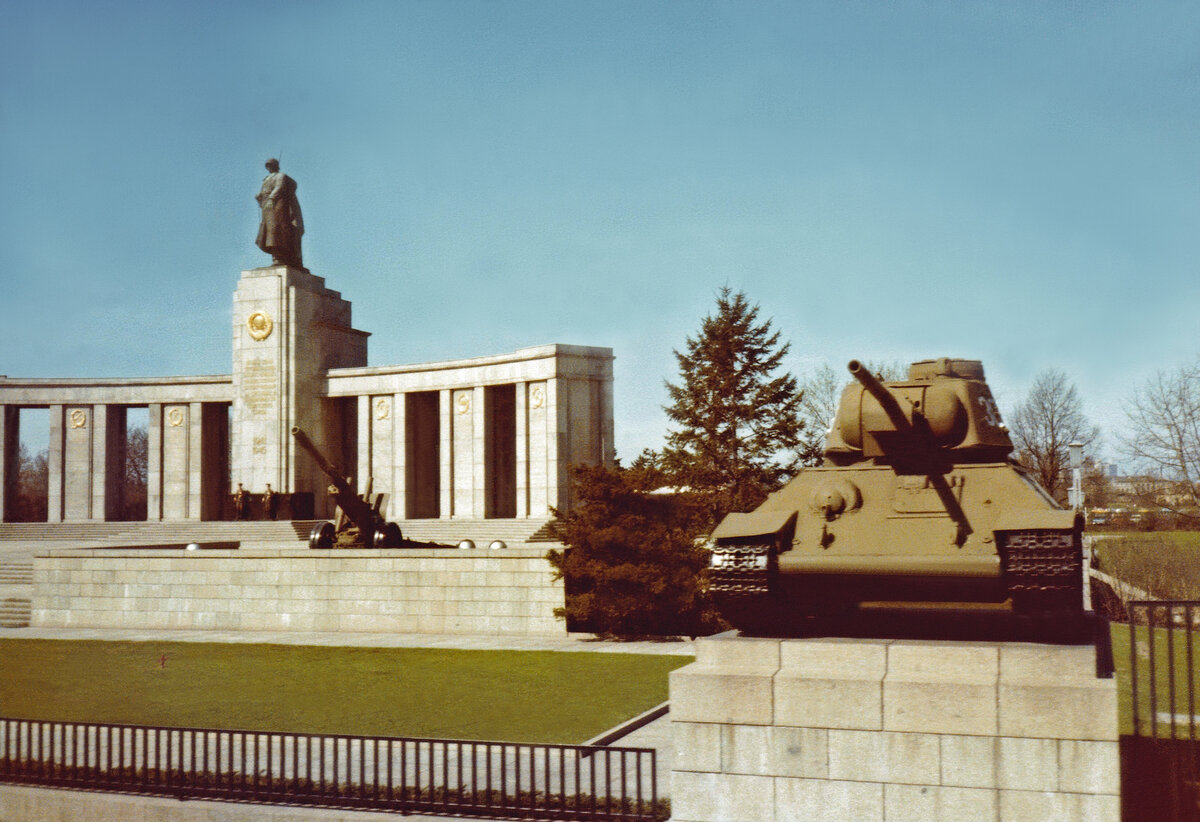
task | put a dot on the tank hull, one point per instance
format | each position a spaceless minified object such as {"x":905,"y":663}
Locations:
{"x":839,"y":536}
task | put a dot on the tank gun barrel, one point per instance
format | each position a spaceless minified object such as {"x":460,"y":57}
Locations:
{"x":891,"y":406}
{"x":885,"y":398}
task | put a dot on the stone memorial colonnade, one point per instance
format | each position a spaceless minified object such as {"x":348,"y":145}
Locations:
{"x":490,"y":436}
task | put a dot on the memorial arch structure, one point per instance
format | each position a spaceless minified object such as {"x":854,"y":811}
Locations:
{"x":485,"y":437}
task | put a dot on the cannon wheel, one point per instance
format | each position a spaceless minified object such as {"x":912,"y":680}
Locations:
{"x":389,"y":536}
{"x":321,"y":536}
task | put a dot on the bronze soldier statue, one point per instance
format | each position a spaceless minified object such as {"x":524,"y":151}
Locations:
{"x":282,"y":224}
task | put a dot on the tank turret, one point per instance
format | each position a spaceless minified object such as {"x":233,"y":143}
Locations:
{"x":918,"y":500}
{"x":944,"y":405}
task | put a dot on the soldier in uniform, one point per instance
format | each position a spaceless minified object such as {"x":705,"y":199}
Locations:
{"x":282,"y":224}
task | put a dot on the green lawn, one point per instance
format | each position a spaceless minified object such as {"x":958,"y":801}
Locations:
{"x":1166,"y":563}
{"x":520,"y":696}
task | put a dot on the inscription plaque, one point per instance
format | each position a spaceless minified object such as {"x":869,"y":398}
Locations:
{"x":260,"y":387}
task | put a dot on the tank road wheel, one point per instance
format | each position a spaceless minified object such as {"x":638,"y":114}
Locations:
{"x":1043,"y":569}
{"x":388,"y":536}
{"x":321,"y":536}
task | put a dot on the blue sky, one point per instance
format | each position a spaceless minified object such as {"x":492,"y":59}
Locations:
{"x":1012,"y":182}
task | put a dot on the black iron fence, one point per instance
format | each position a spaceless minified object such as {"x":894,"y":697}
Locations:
{"x":1160,"y":742}
{"x":1163,"y":654}
{"x":404,"y":775}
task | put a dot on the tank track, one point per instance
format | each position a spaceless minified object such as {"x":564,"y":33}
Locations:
{"x":1042,"y":568}
{"x":744,"y":570}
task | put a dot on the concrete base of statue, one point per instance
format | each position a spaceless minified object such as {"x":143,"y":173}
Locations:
{"x":768,"y":730}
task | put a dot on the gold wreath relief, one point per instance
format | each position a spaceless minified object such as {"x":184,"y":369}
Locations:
{"x":463,"y":402}
{"x":260,"y":325}
{"x":381,"y":408}
{"x":175,"y":417}
{"x":78,"y":418}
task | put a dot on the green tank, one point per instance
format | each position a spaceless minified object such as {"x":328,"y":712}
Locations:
{"x":918,"y":500}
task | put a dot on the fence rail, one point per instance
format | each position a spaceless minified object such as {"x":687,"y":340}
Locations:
{"x":1160,"y":759}
{"x":400,"y":774}
{"x":1162,"y":665}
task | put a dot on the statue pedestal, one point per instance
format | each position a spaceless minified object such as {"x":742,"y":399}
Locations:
{"x":841,"y":729}
{"x":288,"y":330}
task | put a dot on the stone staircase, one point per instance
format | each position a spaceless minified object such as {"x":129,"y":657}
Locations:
{"x":273,"y":533}
{"x":482,"y":532}
{"x":16,"y":584}
{"x":15,"y":612}
{"x":16,"y":572}
{"x":149,"y":533}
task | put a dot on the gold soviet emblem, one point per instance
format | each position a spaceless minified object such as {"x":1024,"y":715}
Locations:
{"x":537,"y":396}
{"x":260,"y":325}
{"x":382,"y":409}
{"x":78,"y":418}
{"x":175,"y":417}
{"x":463,"y":403}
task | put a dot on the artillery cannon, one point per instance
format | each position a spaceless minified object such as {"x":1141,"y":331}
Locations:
{"x":359,"y":520}
{"x":918,"y":500}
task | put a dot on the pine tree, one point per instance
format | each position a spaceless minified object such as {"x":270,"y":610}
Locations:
{"x":738,"y":425}
{"x":634,"y":566}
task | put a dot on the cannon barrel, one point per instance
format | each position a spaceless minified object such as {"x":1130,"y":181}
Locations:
{"x":885,"y":398}
{"x":330,"y":471}
{"x":359,"y":511}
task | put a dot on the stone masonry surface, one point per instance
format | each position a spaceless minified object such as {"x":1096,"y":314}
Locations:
{"x":769,"y":730}
{"x":403,"y":591}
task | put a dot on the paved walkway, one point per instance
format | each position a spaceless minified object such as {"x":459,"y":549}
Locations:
{"x":585,"y":643}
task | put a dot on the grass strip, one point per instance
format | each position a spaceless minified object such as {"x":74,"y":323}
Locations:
{"x":1165,"y":563}
{"x":518,"y":696}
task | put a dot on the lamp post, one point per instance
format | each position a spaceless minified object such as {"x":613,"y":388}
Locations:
{"x":1075,"y":495}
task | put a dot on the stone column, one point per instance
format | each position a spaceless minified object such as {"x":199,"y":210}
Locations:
{"x":102,"y":480}
{"x":608,"y":446}
{"x":558,"y":452}
{"x":365,"y":442}
{"x":79,"y":427}
{"x":446,"y":453}
{"x":522,"y":413}
{"x":462,"y":417}
{"x":383,"y":445}
{"x":175,"y":426}
{"x":54,"y":466}
{"x":195,"y":485}
{"x":154,"y":463}
{"x":399,"y":489}
{"x":479,"y":466}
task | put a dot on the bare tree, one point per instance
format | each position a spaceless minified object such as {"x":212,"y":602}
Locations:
{"x":1050,"y":419}
{"x":1163,"y":431}
{"x":136,"y":465}
{"x":30,"y":502}
{"x":819,"y":398}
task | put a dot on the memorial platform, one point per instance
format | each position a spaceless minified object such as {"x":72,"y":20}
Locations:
{"x":450,"y":591}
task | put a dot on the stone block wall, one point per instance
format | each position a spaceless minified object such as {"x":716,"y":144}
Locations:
{"x":769,"y":730}
{"x":398,"y":591}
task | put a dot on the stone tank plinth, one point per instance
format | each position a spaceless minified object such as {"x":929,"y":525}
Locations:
{"x":773,"y":730}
